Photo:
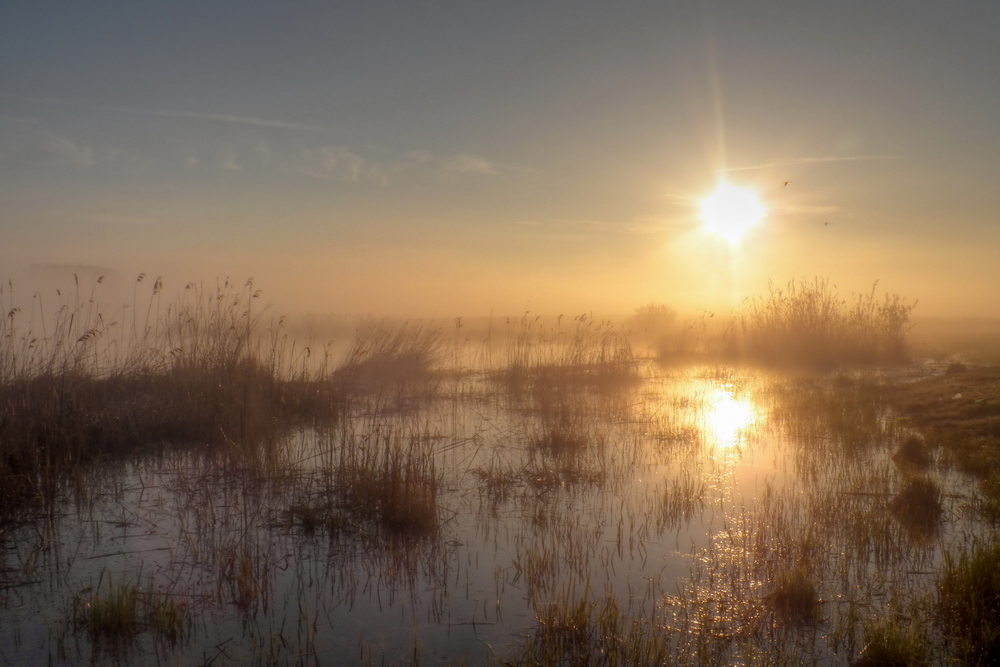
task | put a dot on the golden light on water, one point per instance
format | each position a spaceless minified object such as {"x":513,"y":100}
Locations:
{"x":730,"y":212}
{"x":727,"y":418}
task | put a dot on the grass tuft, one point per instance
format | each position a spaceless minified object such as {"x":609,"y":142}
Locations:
{"x":918,"y":505}
{"x":794,"y":598}
{"x":913,"y":453}
{"x":968,"y":604}
{"x":888,"y":643}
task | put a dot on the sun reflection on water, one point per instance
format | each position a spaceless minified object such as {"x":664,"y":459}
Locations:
{"x":727,"y":418}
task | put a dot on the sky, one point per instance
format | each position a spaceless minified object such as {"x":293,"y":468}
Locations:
{"x":462,"y":158}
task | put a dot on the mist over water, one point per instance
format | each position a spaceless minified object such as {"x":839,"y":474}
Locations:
{"x":200,"y":480}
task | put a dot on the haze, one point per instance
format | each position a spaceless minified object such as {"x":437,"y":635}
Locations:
{"x":461,"y":158}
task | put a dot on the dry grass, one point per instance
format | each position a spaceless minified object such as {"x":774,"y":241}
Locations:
{"x":385,"y":473}
{"x":586,"y":353}
{"x":78,"y":387}
{"x":794,"y":597}
{"x":892,"y":643}
{"x":918,"y":505}
{"x":385,"y":352}
{"x":968,"y":604}
{"x":810,"y":324}
{"x":115,"y":615}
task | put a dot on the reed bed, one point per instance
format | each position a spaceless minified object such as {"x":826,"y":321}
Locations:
{"x":809,"y":324}
{"x":297,"y":512}
{"x":589,"y":353}
{"x":79,"y":387}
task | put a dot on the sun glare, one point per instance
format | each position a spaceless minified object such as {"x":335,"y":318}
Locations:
{"x":728,"y":417}
{"x":730,"y":212}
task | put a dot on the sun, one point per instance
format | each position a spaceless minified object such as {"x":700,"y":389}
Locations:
{"x":730,"y":212}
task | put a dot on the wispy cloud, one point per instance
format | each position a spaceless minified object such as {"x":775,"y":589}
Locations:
{"x":346,"y":164}
{"x":170,"y":113}
{"x":637,"y":225}
{"x":335,"y":163}
{"x":66,"y":152}
{"x":470,"y":164}
{"x":226,"y":118}
{"x":791,"y":162}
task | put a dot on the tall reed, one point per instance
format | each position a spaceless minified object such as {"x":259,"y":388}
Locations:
{"x":77,"y":385}
{"x":809,"y":323}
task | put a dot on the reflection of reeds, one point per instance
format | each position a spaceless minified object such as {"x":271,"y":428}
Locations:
{"x":681,"y":498}
{"x":913,"y":453}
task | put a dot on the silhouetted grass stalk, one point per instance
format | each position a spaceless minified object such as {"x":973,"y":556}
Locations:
{"x":809,"y":323}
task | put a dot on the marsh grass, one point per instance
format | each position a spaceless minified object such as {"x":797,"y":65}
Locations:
{"x":80,"y":387}
{"x":918,"y":505}
{"x":387,"y":352}
{"x":387,"y":474}
{"x":958,"y":413}
{"x":809,"y":324}
{"x":575,"y":629}
{"x":794,"y":597}
{"x":913,"y":453}
{"x":587,"y":353}
{"x":115,"y":615}
{"x":968,"y":603}
{"x":892,"y":642}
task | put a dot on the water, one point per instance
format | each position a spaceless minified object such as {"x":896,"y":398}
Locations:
{"x":685,"y":498}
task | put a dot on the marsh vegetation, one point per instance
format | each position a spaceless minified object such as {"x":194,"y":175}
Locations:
{"x":185,"y":482}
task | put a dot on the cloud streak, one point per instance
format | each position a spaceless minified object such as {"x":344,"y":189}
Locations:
{"x":792,"y":162}
{"x":168,"y":113}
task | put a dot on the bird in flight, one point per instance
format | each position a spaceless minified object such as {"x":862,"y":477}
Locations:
{"x":785,"y":184}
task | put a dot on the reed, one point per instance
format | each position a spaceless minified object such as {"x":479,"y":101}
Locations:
{"x":918,"y":505}
{"x":587,"y":353}
{"x":114,"y":616}
{"x":808,"y":323}
{"x":385,"y":351}
{"x":794,"y":597}
{"x":78,"y":387}
{"x":386,"y":473}
{"x":968,"y":603}
{"x":891,"y":642}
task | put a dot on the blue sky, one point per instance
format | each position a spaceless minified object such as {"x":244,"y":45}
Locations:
{"x":456,"y":158}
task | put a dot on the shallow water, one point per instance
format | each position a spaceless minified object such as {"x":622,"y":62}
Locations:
{"x":684,"y":497}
